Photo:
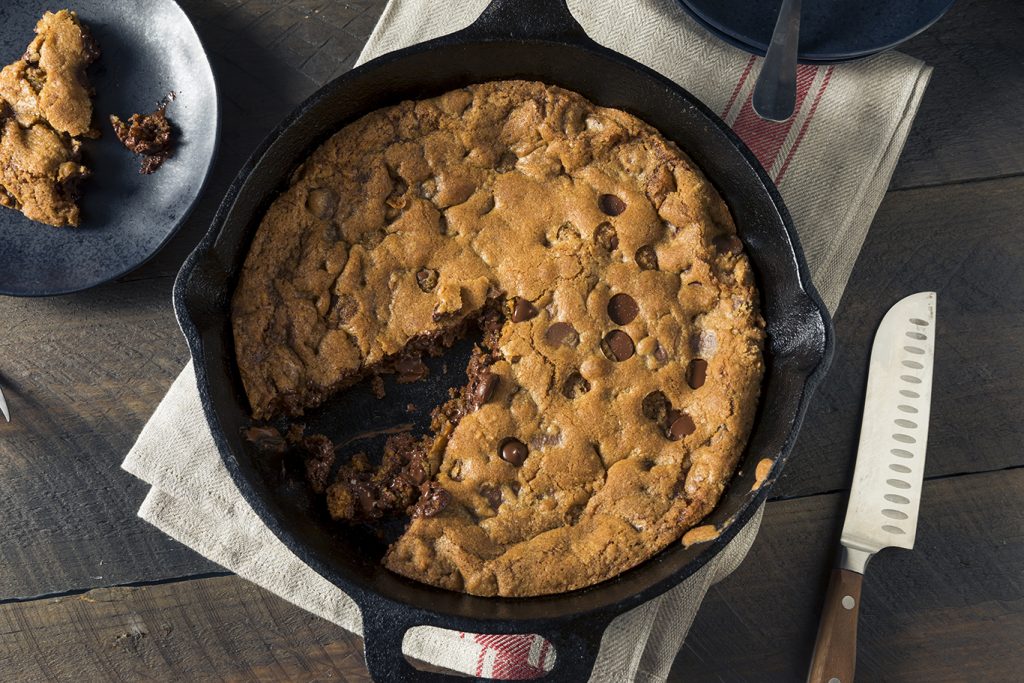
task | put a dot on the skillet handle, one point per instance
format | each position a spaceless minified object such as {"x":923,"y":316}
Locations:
{"x":527,"y":19}
{"x":576,"y":647}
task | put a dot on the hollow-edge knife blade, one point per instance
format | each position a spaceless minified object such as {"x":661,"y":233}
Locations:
{"x":887,"y":480}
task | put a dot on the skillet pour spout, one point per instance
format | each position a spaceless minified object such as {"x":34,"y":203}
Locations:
{"x":535,"y":40}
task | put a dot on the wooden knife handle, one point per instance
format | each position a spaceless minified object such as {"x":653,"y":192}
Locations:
{"x":835,"y":650}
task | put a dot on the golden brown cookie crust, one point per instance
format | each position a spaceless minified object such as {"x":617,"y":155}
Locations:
{"x":414,"y":217}
{"x":44,"y":108}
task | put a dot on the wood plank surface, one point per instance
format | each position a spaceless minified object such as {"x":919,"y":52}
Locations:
{"x":964,"y":242}
{"x":965,"y":128}
{"x":952,"y":609}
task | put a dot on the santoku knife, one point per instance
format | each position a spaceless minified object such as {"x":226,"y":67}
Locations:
{"x":886,"y":492}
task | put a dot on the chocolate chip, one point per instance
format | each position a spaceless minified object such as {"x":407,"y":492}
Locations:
{"x":647,"y":258}
{"x":492,"y":494}
{"x":622,"y":309}
{"x":322,"y":203}
{"x":679,"y":425}
{"x":617,"y":345}
{"x":575,"y":386}
{"x":655,"y":406}
{"x":410,"y":369}
{"x":434,"y":499}
{"x":611,"y":205}
{"x":343,"y":309}
{"x":426,"y":278}
{"x":696,"y":373}
{"x":485,"y":387}
{"x":728,"y":244}
{"x":605,"y":236}
{"x":522,"y":310}
{"x":562,"y":332}
{"x":513,"y":451}
{"x":266,"y":439}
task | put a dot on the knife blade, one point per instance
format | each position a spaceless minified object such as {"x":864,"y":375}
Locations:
{"x":3,"y":406}
{"x":887,"y":479}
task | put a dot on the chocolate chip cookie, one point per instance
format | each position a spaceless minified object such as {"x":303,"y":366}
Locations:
{"x":620,"y":353}
{"x":45,"y":111}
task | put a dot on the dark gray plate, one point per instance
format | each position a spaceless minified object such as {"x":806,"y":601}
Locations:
{"x":830,"y":30}
{"x":149,"y":48}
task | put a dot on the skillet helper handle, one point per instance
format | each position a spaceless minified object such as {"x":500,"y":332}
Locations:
{"x":576,"y":646}
{"x":835,"y":650}
{"x":528,"y":19}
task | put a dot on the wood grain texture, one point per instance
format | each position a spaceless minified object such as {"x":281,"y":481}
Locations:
{"x":964,"y":243}
{"x":222,"y":629}
{"x":952,"y":609}
{"x":82,"y":374}
{"x":965,"y":127}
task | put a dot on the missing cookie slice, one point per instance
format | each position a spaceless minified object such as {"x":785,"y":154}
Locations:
{"x":45,"y":110}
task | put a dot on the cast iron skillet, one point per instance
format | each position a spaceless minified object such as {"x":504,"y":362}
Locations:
{"x":533,"y":39}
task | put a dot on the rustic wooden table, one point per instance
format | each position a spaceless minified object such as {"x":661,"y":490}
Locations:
{"x":90,"y":592}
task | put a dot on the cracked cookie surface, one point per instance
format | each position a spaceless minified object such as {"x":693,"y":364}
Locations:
{"x":45,"y":108}
{"x":622,"y":381}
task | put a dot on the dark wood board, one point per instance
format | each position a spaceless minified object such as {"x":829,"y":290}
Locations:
{"x":952,"y":609}
{"x":220,"y":628}
{"x":964,"y":242}
{"x":79,"y":393}
{"x":969,"y":121}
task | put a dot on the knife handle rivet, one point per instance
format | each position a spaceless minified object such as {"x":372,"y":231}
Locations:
{"x":848,"y":601}
{"x":834,"y":680}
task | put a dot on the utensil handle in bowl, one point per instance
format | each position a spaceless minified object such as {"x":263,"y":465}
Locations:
{"x":835,"y":650}
{"x":576,"y":647}
{"x":527,"y":19}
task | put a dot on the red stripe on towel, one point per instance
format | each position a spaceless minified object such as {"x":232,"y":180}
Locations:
{"x":765,"y":138}
{"x":806,"y":124}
